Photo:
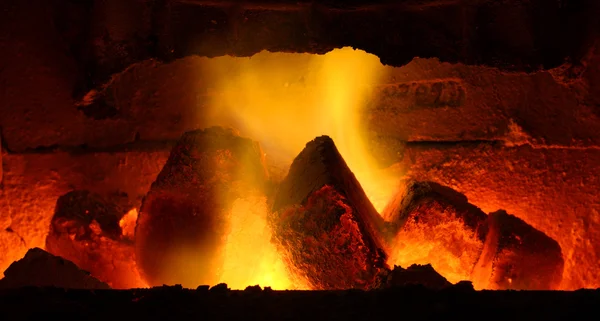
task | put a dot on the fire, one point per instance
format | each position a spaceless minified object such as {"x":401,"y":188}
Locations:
{"x":249,"y":242}
{"x":416,"y":247}
{"x":285,"y":100}
{"x":127,"y":223}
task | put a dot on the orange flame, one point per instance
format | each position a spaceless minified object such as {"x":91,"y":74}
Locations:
{"x":284,"y":101}
{"x":127,"y":223}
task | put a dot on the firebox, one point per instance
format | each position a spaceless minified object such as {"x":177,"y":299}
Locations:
{"x":303,"y":144}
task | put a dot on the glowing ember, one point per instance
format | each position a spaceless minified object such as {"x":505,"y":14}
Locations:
{"x":85,"y":230}
{"x":324,"y":243}
{"x":185,"y":220}
{"x":435,"y":225}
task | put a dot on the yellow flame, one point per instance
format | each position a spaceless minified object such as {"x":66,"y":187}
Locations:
{"x":250,"y":257}
{"x":127,"y":223}
{"x":284,"y":101}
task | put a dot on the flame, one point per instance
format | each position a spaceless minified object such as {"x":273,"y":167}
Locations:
{"x":285,"y":100}
{"x":127,"y":223}
{"x":250,"y":257}
{"x":451,"y":249}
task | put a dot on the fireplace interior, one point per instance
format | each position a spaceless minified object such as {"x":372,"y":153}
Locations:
{"x":300,"y":145}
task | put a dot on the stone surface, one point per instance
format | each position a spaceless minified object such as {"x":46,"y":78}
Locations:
{"x":551,"y":189}
{"x":324,"y":223}
{"x":116,"y":40}
{"x":85,"y":229}
{"x":529,"y":35}
{"x":41,"y":269}
{"x":433,"y":224}
{"x":37,"y":101}
{"x":423,"y":101}
{"x":431,"y":101}
{"x":184,"y":219}
{"x":12,"y":247}
{"x":34,"y":182}
{"x":517,"y":257}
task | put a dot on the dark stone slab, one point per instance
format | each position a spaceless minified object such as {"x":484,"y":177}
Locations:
{"x":41,"y":269}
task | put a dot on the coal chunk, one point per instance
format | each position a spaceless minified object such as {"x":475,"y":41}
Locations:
{"x":83,"y":208}
{"x":324,"y":223}
{"x":41,"y":269}
{"x":85,"y":230}
{"x":415,"y":274}
{"x":433,"y":224}
{"x":184,"y":218}
{"x":517,"y":256}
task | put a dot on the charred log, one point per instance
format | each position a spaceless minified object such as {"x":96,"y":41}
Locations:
{"x":517,"y":256}
{"x":41,"y":269}
{"x":184,"y":217}
{"x":324,"y":222}
{"x":85,"y":230}
{"x":437,"y":225}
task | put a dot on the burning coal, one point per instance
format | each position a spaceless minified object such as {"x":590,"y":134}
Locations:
{"x":216,"y":213}
{"x":213,"y":215}
{"x":187,"y":224}
{"x":324,"y":222}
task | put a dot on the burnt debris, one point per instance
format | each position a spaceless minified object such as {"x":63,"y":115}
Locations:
{"x":41,"y":269}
